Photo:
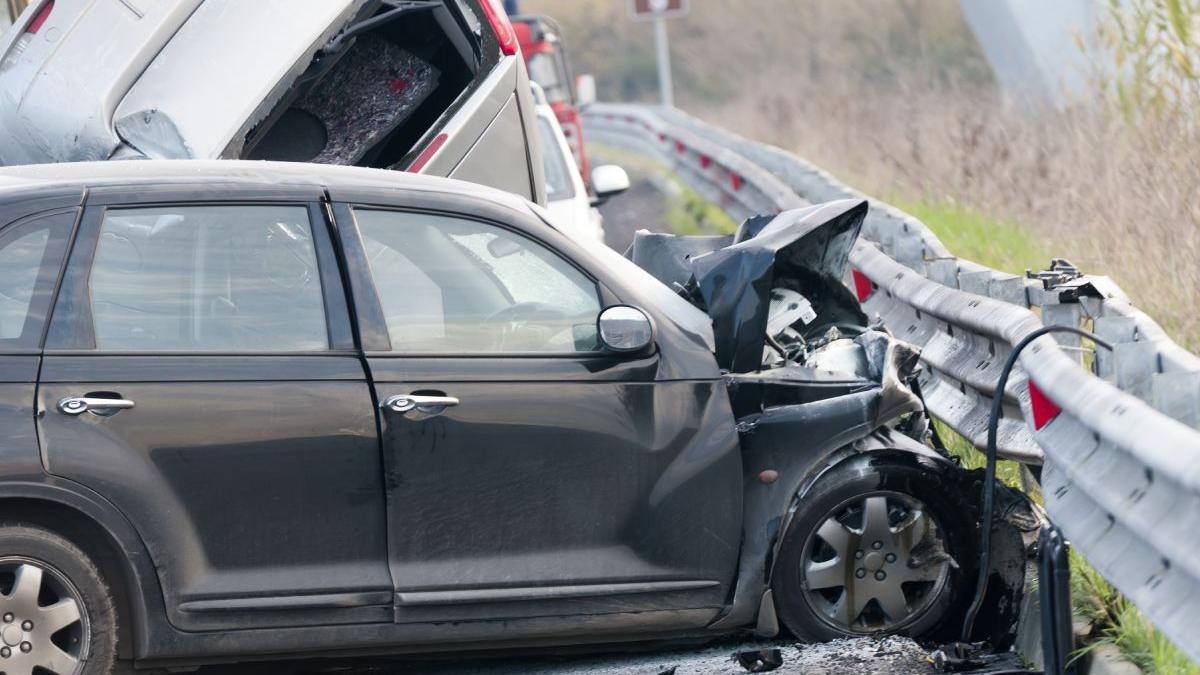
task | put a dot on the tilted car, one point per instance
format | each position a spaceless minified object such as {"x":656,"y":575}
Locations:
{"x":253,"y":409}
{"x":430,"y":86}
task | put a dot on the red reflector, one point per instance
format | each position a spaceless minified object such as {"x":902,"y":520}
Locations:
{"x":736,"y":181}
{"x":863,"y":286}
{"x":427,"y":154}
{"x":1044,"y":410}
{"x":503,"y":27}
{"x":679,"y":147}
{"x":705,"y":161}
{"x":662,"y":137}
{"x":43,"y":14}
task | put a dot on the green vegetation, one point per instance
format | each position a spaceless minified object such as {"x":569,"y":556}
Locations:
{"x":1117,"y":621}
{"x":1155,"y":45}
{"x":970,"y":457}
{"x":973,"y":235}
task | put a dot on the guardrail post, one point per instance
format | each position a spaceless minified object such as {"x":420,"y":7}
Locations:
{"x":1117,"y":330}
{"x":943,"y":270}
{"x":1177,"y":395}
{"x":1065,"y":314}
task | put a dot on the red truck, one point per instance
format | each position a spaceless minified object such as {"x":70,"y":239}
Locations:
{"x":541,"y":44}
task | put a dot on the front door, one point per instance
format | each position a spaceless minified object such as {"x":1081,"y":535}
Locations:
{"x":200,"y":374}
{"x":529,"y":473}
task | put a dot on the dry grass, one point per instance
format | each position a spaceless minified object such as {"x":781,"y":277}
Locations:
{"x":1115,"y":199}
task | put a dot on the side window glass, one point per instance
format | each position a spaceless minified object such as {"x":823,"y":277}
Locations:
{"x":207,"y":279}
{"x":457,"y":286}
{"x":30,"y":256}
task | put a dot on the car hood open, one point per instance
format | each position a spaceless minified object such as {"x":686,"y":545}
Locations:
{"x":732,"y":277}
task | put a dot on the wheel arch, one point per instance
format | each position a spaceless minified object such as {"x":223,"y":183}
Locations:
{"x":95,"y":525}
{"x":785,"y":451}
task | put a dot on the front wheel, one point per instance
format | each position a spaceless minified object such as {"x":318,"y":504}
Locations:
{"x":878,"y":546}
{"x":56,"y":613}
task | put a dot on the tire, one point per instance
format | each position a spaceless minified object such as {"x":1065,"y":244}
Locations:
{"x":37,"y":563}
{"x":831,"y":579}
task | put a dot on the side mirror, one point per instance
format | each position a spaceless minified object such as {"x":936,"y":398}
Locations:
{"x":625,"y":329}
{"x":585,"y":90}
{"x":608,"y":181}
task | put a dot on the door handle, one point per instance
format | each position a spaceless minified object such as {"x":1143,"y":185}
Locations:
{"x":77,"y":405}
{"x":429,"y":405}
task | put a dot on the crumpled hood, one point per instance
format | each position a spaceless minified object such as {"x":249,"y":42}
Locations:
{"x":731,"y":278}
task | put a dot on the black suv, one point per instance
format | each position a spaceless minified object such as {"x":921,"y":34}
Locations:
{"x":253,"y":409}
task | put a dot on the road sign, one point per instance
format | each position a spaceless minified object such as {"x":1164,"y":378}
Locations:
{"x":648,"y":10}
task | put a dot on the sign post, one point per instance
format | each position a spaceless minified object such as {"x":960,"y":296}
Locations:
{"x":659,"y":11}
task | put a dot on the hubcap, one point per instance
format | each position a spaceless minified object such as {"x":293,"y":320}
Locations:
{"x":42,"y":623}
{"x":875,"y":563}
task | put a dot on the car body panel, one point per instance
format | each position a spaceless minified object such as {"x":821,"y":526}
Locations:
{"x":167,"y":88}
{"x":59,"y":65}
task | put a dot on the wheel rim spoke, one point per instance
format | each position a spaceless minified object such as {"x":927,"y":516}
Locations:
{"x":827,"y":574}
{"x":875,"y":519}
{"x":849,"y":606}
{"x":57,"y":661}
{"x":890,"y":597}
{"x":26,"y":587}
{"x":839,"y":538}
{"x":60,"y":615}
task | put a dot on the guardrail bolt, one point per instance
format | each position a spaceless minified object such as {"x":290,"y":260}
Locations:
{"x":877,"y":545}
{"x":5,"y":652}
{"x":880,"y":575}
{"x":858,"y":555}
{"x":27,"y":626}
{"x":860,"y":573}
{"x":891,"y":557}
{"x":26,"y":647}
{"x":8,"y":617}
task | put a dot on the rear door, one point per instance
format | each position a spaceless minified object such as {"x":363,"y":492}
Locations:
{"x":200,"y":373}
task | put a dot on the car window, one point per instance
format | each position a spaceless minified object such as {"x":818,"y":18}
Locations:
{"x":558,"y":176}
{"x":207,"y":278}
{"x":30,"y":256}
{"x":458,"y":286}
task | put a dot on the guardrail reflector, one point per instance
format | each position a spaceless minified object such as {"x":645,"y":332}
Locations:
{"x":705,"y":161}
{"x":863,"y":286}
{"x":1044,"y":410}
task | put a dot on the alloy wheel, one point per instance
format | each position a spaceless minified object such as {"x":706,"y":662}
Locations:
{"x":43,"y":622}
{"x":876,"y":563}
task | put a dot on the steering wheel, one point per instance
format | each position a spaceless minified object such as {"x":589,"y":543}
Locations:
{"x":513,"y":322}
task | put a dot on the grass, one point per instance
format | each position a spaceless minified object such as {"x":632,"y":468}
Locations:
{"x":976,"y":236}
{"x":1118,"y":622}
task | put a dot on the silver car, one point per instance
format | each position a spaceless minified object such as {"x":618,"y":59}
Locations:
{"x":429,"y":86}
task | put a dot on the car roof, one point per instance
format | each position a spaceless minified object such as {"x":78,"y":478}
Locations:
{"x":116,"y":173}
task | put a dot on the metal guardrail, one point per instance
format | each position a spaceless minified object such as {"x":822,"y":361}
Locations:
{"x":1117,"y":435}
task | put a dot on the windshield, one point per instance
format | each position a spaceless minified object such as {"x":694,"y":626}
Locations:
{"x":558,"y":174}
